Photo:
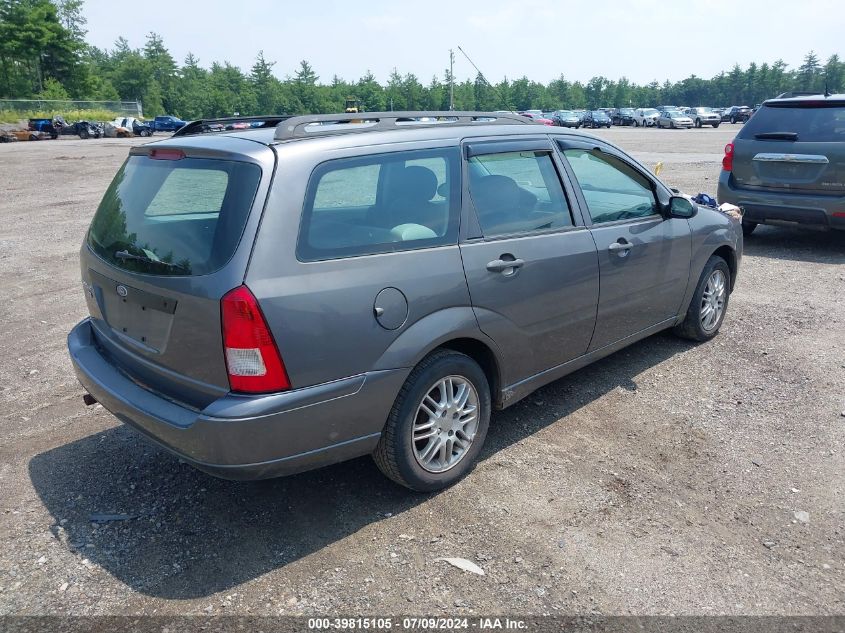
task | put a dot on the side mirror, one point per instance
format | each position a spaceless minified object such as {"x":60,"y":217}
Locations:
{"x":681,"y":207}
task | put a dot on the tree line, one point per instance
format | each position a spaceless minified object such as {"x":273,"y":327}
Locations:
{"x":44,"y":55}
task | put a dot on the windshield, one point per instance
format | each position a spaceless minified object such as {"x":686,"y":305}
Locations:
{"x":649,"y":111}
{"x":822,"y":122}
{"x":174,"y":217}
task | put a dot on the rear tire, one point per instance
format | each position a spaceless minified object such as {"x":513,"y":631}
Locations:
{"x":733,"y":120}
{"x":698,"y":123}
{"x":748,"y":227}
{"x":709,"y":303}
{"x":402,"y":455}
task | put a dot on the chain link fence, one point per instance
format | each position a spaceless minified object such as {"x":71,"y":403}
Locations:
{"x":125,"y":108}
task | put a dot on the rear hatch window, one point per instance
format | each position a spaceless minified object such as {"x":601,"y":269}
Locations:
{"x":174,"y":217}
{"x":814,"y":123}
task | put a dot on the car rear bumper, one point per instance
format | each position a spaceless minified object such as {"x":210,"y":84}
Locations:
{"x":246,"y":437}
{"x":775,"y":207}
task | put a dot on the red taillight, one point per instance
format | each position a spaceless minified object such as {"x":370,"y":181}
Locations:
{"x":167,"y":154}
{"x":252,"y":358}
{"x":728,"y":159}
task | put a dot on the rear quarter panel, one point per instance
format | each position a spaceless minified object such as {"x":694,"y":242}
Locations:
{"x":322,"y":312}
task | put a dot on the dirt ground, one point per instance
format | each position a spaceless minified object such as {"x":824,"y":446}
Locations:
{"x":669,"y":478}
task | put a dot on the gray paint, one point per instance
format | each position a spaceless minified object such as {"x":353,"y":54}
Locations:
{"x":572,"y":302}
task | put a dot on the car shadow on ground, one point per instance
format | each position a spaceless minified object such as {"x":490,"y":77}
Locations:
{"x":796,"y":244}
{"x":188,"y":535}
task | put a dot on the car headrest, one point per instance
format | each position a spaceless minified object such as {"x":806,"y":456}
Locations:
{"x":414,"y":184}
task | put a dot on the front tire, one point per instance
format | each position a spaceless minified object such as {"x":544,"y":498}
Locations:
{"x":698,"y":123}
{"x":437,"y":425}
{"x":709,"y":304}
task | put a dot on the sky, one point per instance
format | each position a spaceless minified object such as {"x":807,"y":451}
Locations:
{"x":642,"y":41}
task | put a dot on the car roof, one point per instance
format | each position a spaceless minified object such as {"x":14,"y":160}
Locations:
{"x":817,"y":98}
{"x":363,"y":138}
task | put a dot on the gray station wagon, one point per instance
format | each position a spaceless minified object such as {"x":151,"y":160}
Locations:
{"x":315,"y":289}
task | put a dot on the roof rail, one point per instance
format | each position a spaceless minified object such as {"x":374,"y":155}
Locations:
{"x":329,"y":124}
{"x":224,"y":124}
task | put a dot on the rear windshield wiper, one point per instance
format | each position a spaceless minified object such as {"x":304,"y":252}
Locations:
{"x":124,"y":255}
{"x":777,"y":136}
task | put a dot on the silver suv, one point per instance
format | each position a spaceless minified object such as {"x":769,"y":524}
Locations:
{"x":269,"y":300}
{"x":704,"y":116}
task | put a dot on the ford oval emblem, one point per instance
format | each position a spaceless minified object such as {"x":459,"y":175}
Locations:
{"x":122,"y":290}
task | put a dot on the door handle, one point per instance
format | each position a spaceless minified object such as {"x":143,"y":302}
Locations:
{"x":621,"y":247}
{"x":506,"y":266}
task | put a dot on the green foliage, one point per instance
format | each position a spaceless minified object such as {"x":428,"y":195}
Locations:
{"x":43,"y":54}
{"x":69,"y":114}
{"x":53,"y":90}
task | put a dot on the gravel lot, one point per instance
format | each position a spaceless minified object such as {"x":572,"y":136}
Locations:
{"x":670,"y":478}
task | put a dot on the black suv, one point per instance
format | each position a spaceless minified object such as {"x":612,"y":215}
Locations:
{"x":623,"y":116}
{"x":596,"y":118}
{"x":737,"y":113}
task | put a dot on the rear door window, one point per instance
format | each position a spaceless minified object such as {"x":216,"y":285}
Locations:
{"x":820,"y":123}
{"x":381,"y":203}
{"x":174,"y":217}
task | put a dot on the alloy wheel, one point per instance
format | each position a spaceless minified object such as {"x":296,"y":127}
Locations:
{"x":713,"y":300}
{"x":445,"y":424}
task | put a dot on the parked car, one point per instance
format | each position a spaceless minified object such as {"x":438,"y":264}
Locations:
{"x":42,"y":125}
{"x":645,"y":117}
{"x":596,"y":119}
{"x":737,"y":113}
{"x":30,"y":135}
{"x":537,"y":117}
{"x":166,"y":123}
{"x":623,"y":116}
{"x":138,"y":127}
{"x":297,"y":314}
{"x":566,"y":118}
{"x":674,"y":119}
{"x":114,"y":129}
{"x":704,"y":116}
{"x":786,"y":164}
{"x":82,"y":129}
